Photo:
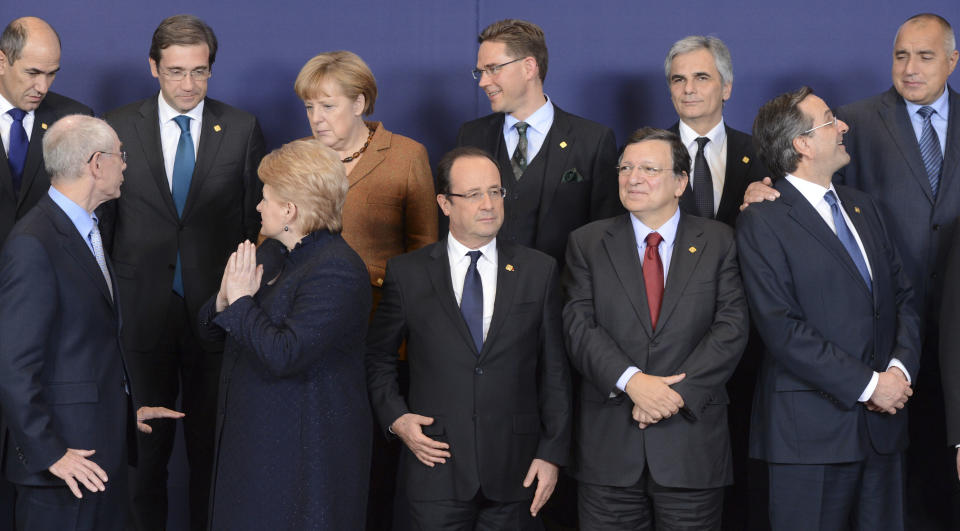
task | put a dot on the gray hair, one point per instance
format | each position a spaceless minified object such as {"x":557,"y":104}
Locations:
{"x":14,"y":38}
{"x":778,"y":122}
{"x":716,"y":47}
{"x":949,"y":39}
{"x":69,"y":143}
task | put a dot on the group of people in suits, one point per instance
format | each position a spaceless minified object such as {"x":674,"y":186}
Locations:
{"x":584,"y":318}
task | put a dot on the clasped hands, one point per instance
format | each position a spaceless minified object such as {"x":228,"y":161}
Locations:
{"x":241,"y":276}
{"x":892,"y":392}
{"x":653,"y":398}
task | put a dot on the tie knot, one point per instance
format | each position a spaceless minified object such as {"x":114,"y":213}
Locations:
{"x":830,"y":198}
{"x":702,"y":141}
{"x":17,"y":114}
{"x":184,"y":122}
{"x":474,"y":256}
{"x":653,"y":239}
{"x":522,"y":127}
{"x":925,"y":112}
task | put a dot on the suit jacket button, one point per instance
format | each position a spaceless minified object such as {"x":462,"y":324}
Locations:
{"x":171,"y":267}
{"x":935,"y":227}
{"x":478,"y":371}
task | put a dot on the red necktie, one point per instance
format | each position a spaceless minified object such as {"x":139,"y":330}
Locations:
{"x":653,"y":276}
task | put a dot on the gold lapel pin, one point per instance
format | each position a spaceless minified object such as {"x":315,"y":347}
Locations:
{"x":43,"y":126}
{"x":856,"y":209}
{"x":509,"y":267}
{"x":746,"y":159}
{"x":692,"y":249}
{"x":563,"y":144}
{"x":216,"y":128}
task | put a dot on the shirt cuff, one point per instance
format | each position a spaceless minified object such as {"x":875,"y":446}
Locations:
{"x":894,"y":362}
{"x":624,"y":378}
{"x":871,"y":387}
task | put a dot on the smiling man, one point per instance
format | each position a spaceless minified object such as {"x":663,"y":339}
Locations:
{"x":189,"y":198}
{"x":558,"y":168}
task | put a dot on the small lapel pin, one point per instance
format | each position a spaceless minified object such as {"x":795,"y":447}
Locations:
{"x":856,"y":209}
{"x":746,"y":159}
{"x":692,"y":249}
{"x":43,"y":126}
{"x":563,"y":144}
{"x":509,"y":267}
{"x":216,"y":128}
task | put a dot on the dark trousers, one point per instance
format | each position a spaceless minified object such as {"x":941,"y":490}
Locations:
{"x":477,"y":514}
{"x":865,"y":495}
{"x":179,"y":365}
{"x":57,"y":508}
{"x":7,"y":496}
{"x":648,"y":505}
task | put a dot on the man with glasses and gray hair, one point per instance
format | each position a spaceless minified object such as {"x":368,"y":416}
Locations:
{"x":190,"y":197}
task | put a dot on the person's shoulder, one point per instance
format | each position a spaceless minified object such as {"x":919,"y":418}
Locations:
{"x":227,"y":112}
{"x":401,"y":143}
{"x":129,"y":111}
{"x":62,"y":105}
{"x":870,"y":104}
{"x":579,"y":123}
{"x":711,"y":228}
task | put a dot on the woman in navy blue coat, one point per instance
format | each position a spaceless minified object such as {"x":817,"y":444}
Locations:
{"x":293,"y":434}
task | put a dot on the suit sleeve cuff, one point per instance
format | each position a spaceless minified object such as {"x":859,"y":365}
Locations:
{"x":894,"y":362}
{"x":871,"y":387}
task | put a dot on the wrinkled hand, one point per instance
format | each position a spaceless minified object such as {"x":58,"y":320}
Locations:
{"x":892,"y":392}
{"x":74,"y":467}
{"x":546,"y":474}
{"x":242,"y":275}
{"x":653,"y":398}
{"x":427,"y":450}
{"x":759,"y":191}
{"x":148,"y":413}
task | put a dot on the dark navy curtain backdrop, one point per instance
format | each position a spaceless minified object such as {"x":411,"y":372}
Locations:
{"x":605,"y":57}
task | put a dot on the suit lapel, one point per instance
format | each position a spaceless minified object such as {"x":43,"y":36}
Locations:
{"x":620,"y":243}
{"x":33,"y":165}
{"x":893,"y":113}
{"x":951,"y":158}
{"x":688,"y":247}
{"x":72,"y":242}
{"x":439,"y":272}
{"x":865,"y":231}
{"x":375,"y":154}
{"x":211,"y":136}
{"x":557,"y":157}
{"x":148,"y":133}
{"x":735,"y":172}
{"x":506,"y":288}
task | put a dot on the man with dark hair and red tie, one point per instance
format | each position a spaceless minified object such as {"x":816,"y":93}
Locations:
{"x":655,"y":321}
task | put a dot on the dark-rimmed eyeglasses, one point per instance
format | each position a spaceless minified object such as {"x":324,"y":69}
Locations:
{"x":474,"y":196}
{"x":121,"y":154}
{"x":491,"y":70}
{"x":178,"y":74}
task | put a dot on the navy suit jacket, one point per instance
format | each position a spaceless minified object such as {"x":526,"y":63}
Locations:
{"x":62,"y":379}
{"x":824,"y":331}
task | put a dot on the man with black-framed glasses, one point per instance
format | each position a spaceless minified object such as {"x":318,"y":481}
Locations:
{"x":189,"y":198}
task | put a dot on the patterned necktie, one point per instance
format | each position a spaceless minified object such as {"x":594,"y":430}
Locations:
{"x":182,"y":174}
{"x":17,"y":154}
{"x":519,"y":159}
{"x":847,"y":239}
{"x":703,"y":181}
{"x":97,"y":245}
{"x":471,"y":301}
{"x":930,"y":149}
{"x":653,"y":276}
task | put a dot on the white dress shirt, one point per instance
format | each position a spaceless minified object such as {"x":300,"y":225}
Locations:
{"x":486,"y":266}
{"x":539,"y":125}
{"x":170,"y":133}
{"x":6,"y":121}
{"x":715,"y":152}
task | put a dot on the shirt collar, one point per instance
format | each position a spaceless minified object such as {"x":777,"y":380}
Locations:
{"x":5,"y":106}
{"x":167,"y":113}
{"x":813,"y":192}
{"x":81,"y":219}
{"x":941,"y":105}
{"x":668,"y":231}
{"x":540,"y":120}
{"x":458,"y":250}
{"x":689,"y":137}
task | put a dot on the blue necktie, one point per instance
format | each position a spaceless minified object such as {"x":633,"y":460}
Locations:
{"x":17,"y":154}
{"x":930,"y":149}
{"x":471,"y":301}
{"x":182,"y":173}
{"x":846,"y":238}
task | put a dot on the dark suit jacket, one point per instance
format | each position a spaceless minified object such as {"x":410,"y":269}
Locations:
{"x":142,"y":231}
{"x":743,"y":167}
{"x":62,"y":380}
{"x":825,"y":332}
{"x":35,"y":179}
{"x":579,"y":181}
{"x":949,"y":351}
{"x":499,"y":408}
{"x":701,"y":331}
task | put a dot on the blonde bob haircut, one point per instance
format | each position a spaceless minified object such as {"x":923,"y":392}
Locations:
{"x":347,"y":69}
{"x":311,"y":176}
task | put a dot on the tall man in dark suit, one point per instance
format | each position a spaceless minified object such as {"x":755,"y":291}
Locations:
{"x":833,"y":304}
{"x":488,"y":412}
{"x":63,"y":386}
{"x":190,"y":198}
{"x":655,"y":322}
{"x":558,"y":168}
{"x":29,"y":61}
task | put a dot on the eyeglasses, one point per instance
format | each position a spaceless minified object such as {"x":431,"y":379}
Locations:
{"x":492,"y":70}
{"x":626,"y":170}
{"x":833,"y":122}
{"x":121,"y":154}
{"x":475,"y":196}
{"x":178,"y":74}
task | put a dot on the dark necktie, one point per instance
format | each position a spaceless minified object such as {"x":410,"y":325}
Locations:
{"x":653,"y":276}
{"x":17,"y":154}
{"x":930,"y":149}
{"x":847,"y":239}
{"x":519,"y":159}
{"x":182,"y":174}
{"x":703,"y":181}
{"x":471,"y":301}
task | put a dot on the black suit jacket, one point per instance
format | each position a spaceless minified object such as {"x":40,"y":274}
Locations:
{"x":579,"y":180}
{"x":142,"y":231}
{"x":825,"y":332}
{"x":701,"y":331}
{"x":62,"y":380}
{"x":35,"y":179}
{"x":743,"y":167}
{"x":499,"y":408}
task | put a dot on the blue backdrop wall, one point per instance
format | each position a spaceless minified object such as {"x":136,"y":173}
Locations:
{"x":605,"y":57}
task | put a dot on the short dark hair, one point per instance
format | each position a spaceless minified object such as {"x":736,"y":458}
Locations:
{"x":678,"y":152}
{"x":182,"y":30}
{"x":14,"y":38}
{"x":778,"y":122}
{"x":446,"y":163}
{"x":949,"y":39}
{"x":522,"y":38}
